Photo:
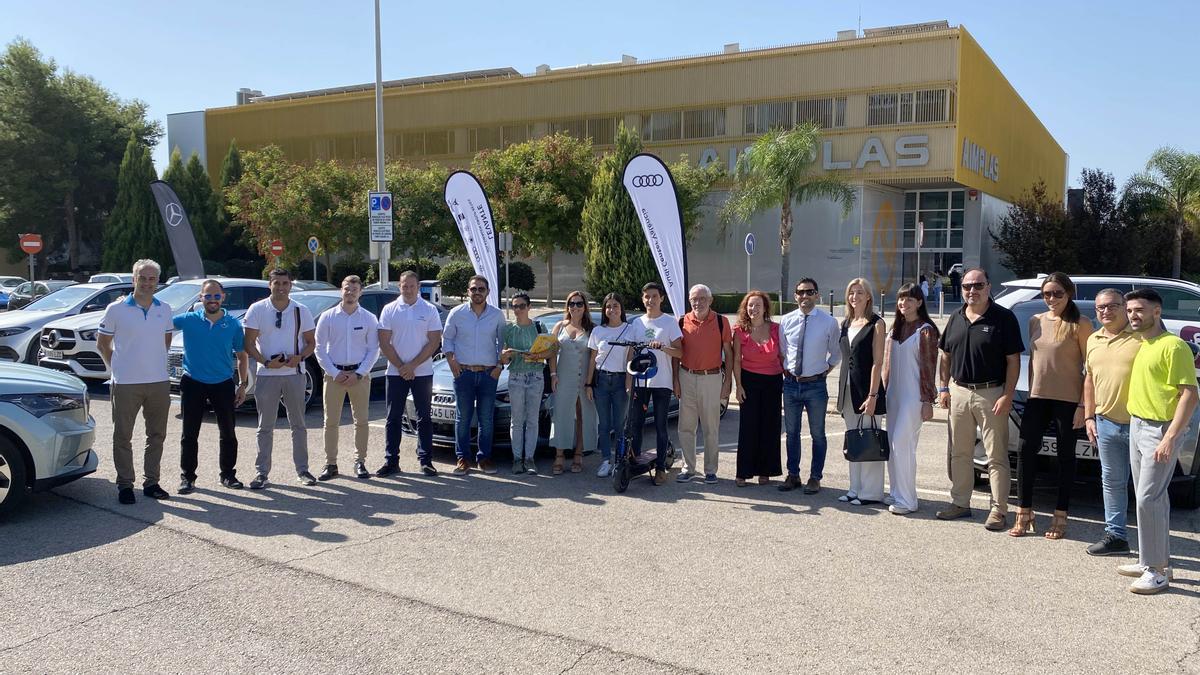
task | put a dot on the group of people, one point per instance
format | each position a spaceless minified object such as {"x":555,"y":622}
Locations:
{"x":1130,"y":383}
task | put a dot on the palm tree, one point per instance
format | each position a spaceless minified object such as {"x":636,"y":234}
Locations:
{"x":780,"y":170}
{"x":1172,"y":181}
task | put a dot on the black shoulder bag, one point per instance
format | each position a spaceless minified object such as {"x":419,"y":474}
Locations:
{"x":868,"y":444}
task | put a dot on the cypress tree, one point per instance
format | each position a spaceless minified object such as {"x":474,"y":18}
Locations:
{"x":134,"y":229}
{"x":228,"y":233}
{"x":201,"y":207}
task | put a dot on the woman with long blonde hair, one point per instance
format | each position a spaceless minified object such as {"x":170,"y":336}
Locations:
{"x":860,"y":384}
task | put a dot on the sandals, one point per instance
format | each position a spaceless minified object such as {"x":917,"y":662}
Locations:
{"x":1023,"y":524}
{"x":1058,"y":526}
{"x":577,"y":462}
{"x":741,"y":482}
{"x":558,"y":466}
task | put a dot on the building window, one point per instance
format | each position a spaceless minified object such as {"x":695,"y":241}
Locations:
{"x":764,"y":117}
{"x":573,"y":128}
{"x":484,"y":138}
{"x":941,"y":212}
{"x":413,"y":144}
{"x":602,"y":130}
{"x":828,"y":113}
{"x":515,"y":133}
{"x":664,"y":126}
{"x":439,"y":142}
{"x":908,"y":107}
{"x":704,"y":123}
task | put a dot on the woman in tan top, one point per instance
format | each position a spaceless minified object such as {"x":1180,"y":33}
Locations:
{"x":1057,"y":344}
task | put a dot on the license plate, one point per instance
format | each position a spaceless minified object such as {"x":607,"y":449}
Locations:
{"x":52,"y":353}
{"x":1083,"y":449}
{"x":446,"y":414}
{"x":176,"y":372}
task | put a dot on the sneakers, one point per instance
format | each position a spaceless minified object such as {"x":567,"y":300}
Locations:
{"x":531,"y":467}
{"x":954,"y":511}
{"x":660,"y":476}
{"x":1109,"y":545}
{"x":259,"y":482}
{"x":486,"y":465}
{"x":1152,"y":581}
{"x":428,"y":469}
{"x":684,"y":476}
{"x":461,"y":468}
{"x":232,"y":483}
{"x":186,"y":485}
{"x":847,"y":497}
{"x":306,"y":478}
{"x":1136,"y":570}
{"x":899,"y":510}
{"x":518,"y":466}
{"x":605,"y":469}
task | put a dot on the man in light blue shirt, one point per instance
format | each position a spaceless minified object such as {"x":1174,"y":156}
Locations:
{"x":472,"y":341}
{"x":809,"y":338}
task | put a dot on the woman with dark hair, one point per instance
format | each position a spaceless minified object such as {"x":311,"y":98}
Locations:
{"x":758,"y":372}
{"x":574,"y":413}
{"x":1057,"y":345}
{"x":607,"y":383}
{"x":525,"y":385}
{"x":860,"y":385}
{"x":909,"y":366}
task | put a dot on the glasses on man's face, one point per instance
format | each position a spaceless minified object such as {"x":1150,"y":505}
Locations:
{"x":975,"y":286}
{"x":576,"y":303}
{"x":212,"y":296}
{"x":1054,"y":294}
{"x":278,"y":319}
{"x":476,"y":289}
{"x":1111,"y":307}
{"x":805,"y":292}
{"x":518,"y":306}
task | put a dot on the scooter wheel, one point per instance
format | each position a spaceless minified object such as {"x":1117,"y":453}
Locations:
{"x":621,"y":477}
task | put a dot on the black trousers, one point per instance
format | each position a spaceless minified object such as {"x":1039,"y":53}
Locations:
{"x":196,"y":397}
{"x":1036,"y":419}
{"x":398,"y":389}
{"x":759,"y":426}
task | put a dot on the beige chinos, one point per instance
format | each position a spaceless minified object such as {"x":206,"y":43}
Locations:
{"x":969,"y":410}
{"x":360,"y":399}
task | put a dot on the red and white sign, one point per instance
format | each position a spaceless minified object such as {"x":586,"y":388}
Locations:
{"x":31,"y":243}
{"x":277,"y":247}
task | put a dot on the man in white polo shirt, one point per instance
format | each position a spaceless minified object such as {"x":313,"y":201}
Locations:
{"x":133,"y":339}
{"x":347,"y":349}
{"x":410,"y":333}
{"x":279,"y":337}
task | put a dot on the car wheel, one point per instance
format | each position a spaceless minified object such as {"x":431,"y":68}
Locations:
{"x":12,"y":477}
{"x":310,"y":387}
{"x":32,"y":356}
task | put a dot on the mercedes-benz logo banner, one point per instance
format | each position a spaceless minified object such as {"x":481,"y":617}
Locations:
{"x":179,"y":231}
{"x":469,"y":206}
{"x":652,"y":189}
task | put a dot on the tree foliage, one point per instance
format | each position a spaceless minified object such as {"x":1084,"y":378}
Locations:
{"x":779,"y":170}
{"x":1036,"y":235}
{"x":135,"y":228}
{"x":424,"y":226}
{"x":62,"y":140}
{"x":1171,"y":183}
{"x":196,"y":195}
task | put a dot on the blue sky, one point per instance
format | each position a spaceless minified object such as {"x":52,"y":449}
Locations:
{"x":1111,"y":80}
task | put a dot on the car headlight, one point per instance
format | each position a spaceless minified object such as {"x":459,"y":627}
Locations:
{"x":15,"y":330}
{"x":44,"y":404}
{"x":88,"y":335}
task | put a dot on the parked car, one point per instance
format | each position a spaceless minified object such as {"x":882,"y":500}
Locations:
{"x":69,"y":344}
{"x":111,"y":278}
{"x":317,"y":302}
{"x":311,"y":285}
{"x":19,"y":330}
{"x":26,"y":293}
{"x":7,"y":285}
{"x":1185,"y":485}
{"x":46,"y":432}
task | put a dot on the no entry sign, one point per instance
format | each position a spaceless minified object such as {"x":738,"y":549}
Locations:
{"x":31,"y":243}
{"x":277,"y":247}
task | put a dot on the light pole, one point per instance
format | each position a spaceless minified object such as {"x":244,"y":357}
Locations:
{"x":385,"y":248}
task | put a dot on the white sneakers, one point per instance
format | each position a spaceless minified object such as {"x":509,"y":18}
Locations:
{"x":605,"y":469}
{"x":1150,"y":580}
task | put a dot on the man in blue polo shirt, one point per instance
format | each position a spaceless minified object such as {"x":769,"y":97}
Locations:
{"x":211,"y":339}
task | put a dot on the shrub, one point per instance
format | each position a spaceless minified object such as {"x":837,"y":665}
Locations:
{"x":243,"y":269}
{"x":344,"y":268}
{"x":424,"y":267}
{"x":454,"y":276}
{"x":522,"y":276}
{"x":727,"y":303}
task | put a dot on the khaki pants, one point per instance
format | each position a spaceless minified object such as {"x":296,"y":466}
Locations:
{"x":153,"y":399}
{"x":969,"y":410}
{"x":360,"y":399}
{"x":700,"y":403}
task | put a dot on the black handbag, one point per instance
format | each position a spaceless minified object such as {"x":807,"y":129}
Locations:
{"x":869,"y":444}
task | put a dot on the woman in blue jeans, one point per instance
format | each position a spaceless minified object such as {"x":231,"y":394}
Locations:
{"x":607,"y":383}
{"x":525,"y":384}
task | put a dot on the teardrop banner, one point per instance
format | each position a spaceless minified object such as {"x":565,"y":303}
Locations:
{"x":652,"y":188}
{"x":469,"y":205}
{"x":179,"y":231}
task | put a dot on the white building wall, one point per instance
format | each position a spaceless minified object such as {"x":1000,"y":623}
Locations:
{"x":186,"y":132}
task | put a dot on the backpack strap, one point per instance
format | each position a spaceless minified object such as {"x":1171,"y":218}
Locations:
{"x":297,"y":339}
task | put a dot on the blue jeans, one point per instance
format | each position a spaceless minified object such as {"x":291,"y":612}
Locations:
{"x":611,"y":401}
{"x":811,"y":398}
{"x":398,"y":389}
{"x":474,"y":393}
{"x":525,"y":399}
{"x":661,"y":398}
{"x":1112,"y":439}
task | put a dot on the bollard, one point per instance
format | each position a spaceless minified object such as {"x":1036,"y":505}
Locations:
{"x":831,"y":303}
{"x":941,"y":303}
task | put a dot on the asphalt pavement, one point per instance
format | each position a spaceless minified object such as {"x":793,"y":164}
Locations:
{"x":548,"y":573}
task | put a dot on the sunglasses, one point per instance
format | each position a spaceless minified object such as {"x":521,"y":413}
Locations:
{"x":576,"y":303}
{"x":977,"y":286}
{"x":278,"y":319}
{"x":477,"y":290}
{"x":519,"y":306}
{"x":1054,"y":294}
{"x":806,"y":292}
{"x":212,"y":296}
{"x":1112,"y":307}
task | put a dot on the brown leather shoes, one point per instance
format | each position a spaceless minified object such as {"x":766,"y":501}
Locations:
{"x":996,"y":521}
{"x":813,"y":486}
{"x":954,"y":511}
{"x":790,"y":483}
{"x":461,"y":468}
{"x":486,"y":465}
{"x":660,"y":476}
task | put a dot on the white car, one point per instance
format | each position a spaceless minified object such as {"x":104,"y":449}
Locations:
{"x":69,"y":344}
{"x":46,"y":432}
{"x":1181,"y":314}
{"x":111,"y":278}
{"x":20,"y":329}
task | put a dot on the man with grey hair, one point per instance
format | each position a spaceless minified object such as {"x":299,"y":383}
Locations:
{"x":133,"y":339}
{"x":702,"y":381}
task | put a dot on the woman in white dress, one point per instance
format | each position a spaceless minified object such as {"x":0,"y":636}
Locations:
{"x":860,"y":394}
{"x":908,"y":372}
{"x":574,"y":413}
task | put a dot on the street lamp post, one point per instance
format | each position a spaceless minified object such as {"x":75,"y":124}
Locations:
{"x":385,"y":248}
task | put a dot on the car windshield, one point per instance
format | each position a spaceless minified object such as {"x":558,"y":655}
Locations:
{"x":316,"y":303}
{"x":11,"y":283}
{"x":65,"y":298}
{"x":180,"y":296}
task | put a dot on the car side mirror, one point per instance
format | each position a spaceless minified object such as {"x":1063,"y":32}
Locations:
{"x":94,"y":307}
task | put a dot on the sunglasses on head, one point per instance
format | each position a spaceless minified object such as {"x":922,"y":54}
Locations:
{"x":806,"y":291}
{"x":1054,"y":294}
{"x":213,"y":296}
{"x":977,"y":286}
{"x":576,"y":303}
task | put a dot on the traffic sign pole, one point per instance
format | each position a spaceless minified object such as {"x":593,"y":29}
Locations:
{"x":749,"y":245}
{"x":313,"y":245}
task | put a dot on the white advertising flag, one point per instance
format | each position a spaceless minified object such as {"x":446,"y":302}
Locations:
{"x":652,"y":189}
{"x":469,"y":205}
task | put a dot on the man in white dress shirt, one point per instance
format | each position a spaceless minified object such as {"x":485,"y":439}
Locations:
{"x":347,"y":348}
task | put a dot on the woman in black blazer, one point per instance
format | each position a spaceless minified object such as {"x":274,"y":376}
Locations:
{"x":860,"y":385}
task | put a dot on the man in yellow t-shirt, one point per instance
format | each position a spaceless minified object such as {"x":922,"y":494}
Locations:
{"x":1162,"y":398}
{"x":1109,"y":360}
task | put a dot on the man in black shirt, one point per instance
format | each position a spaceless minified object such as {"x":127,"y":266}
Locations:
{"x":981,"y":350}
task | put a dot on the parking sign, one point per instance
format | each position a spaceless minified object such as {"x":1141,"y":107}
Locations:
{"x":380,"y":220}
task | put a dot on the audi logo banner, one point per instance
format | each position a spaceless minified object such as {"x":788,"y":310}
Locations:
{"x":469,"y":206}
{"x":652,"y":189}
{"x":179,"y":231}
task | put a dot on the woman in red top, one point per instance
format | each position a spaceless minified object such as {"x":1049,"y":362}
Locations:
{"x":758,"y":371}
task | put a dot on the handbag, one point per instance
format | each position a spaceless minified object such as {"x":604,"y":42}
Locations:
{"x":866,"y":444}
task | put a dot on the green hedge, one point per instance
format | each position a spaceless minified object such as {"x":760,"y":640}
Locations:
{"x":727,"y":303}
{"x":454,"y":276}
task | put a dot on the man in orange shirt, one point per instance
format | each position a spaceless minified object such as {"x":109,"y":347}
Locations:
{"x":702,"y":381}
